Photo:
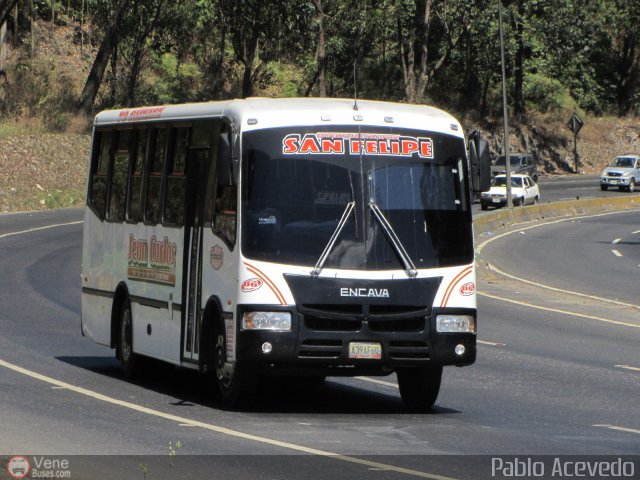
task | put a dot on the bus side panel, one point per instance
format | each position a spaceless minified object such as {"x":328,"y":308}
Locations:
{"x":220,"y":278}
{"x":97,"y":297}
{"x":96,"y":313}
{"x":152,"y":267}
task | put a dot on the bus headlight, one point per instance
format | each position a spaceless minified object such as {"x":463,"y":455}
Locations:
{"x":455,"y":324}
{"x":275,"y":321}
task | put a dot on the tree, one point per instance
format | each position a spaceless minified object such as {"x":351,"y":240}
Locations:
{"x":415,"y":22}
{"x":147,"y":19}
{"x":94,"y":79}
{"x":5,"y":9}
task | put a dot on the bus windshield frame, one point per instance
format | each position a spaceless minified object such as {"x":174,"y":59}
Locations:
{"x":298,"y":183}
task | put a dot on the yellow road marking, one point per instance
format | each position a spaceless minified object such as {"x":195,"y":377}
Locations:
{"x":620,"y":429}
{"x":218,"y":429}
{"x":629,"y":367}
{"x":555,"y":310}
{"x":46,"y":227}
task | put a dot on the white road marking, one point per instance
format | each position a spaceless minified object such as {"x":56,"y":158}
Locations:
{"x":616,"y":253}
{"x":637,"y":231}
{"x":218,"y":429}
{"x":46,"y":227}
{"x":493,"y":344}
{"x":616,"y":241}
{"x":620,"y":429}
{"x":377,"y":382}
{"x":628,"y":367}
{"x":548,"y":287}
{"x":555,"y":310}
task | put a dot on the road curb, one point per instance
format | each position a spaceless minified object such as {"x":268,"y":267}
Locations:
{"x":505,"y":219}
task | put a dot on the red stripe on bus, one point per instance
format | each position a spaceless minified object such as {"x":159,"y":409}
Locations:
{"x":268,"y":281}
{"x":453,"y":283}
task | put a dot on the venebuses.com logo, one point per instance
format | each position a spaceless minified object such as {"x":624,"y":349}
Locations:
{"x":20,"y":466}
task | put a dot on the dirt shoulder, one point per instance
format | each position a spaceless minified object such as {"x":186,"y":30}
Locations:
{"x":41,"y":171}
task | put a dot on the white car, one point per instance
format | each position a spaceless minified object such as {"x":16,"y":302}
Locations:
{"x":623,"y":172}
{"x":523,"y":191}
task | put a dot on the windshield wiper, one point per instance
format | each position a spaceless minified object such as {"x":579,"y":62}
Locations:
{"x":332,"y":241}
{"x":393,"y":238}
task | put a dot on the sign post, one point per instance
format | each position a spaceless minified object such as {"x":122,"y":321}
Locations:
{"x":575,"y":124}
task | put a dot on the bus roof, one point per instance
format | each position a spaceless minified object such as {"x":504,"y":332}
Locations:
{"x":259,"y":113}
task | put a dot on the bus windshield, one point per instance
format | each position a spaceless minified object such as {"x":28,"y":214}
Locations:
{"x":299,"y":183}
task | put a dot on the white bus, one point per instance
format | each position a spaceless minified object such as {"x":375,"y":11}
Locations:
{"x":282,"y":236}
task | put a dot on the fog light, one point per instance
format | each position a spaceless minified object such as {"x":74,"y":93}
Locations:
{"x":267,"y":347}
{"x":275,"y":321}
{"x":455,"y":324}
{"x":459,"y":350}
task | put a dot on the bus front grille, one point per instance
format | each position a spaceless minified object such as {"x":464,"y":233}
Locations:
{"x":409,"y":350}
{"x":403,"y":325}
{"x":320,"y":324}
{"x":320,"y":348}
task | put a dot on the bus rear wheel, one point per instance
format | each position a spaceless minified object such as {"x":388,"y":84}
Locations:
{"x":235,"y":381}
{"x":124,"y":348}
{"x":419,"y":386}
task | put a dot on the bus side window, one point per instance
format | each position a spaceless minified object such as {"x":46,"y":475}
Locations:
{"x":226,"y":198}
{"x":135,"y":180}
{"x":118,"y":190}
{"x":175,"y":190}
{"x":99,"y":172}
{"x":154,"y":182}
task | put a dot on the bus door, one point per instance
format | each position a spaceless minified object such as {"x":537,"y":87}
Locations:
{"x":197,"y":168}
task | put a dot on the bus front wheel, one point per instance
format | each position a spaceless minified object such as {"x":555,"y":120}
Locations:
{"x":234,"y":380}
{"x":419,"y":386}
{"x":124,"y":350}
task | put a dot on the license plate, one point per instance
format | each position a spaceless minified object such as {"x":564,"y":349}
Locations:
{"x":496,"y":200}
{"x":371,"y":350}
{"x":613,"y":181}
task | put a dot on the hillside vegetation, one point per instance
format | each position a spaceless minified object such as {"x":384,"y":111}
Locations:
{"x":67,"y":60}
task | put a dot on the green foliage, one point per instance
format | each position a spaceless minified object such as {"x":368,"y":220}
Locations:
{"x":560,"y":55}
{"x":548,"y":95}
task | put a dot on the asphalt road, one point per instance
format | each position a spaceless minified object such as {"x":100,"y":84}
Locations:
{"x":557,"y":374}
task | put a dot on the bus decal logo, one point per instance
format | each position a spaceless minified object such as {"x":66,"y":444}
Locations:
{"x":332,"y":143}
{"x":152,"y":261}
{"x":364,"y":292}
{"x":216,"y":257}
{"x":251,"y":285}
{"x":468,"y":289}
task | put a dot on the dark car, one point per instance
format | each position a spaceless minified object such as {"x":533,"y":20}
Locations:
{"x":521,"y":163}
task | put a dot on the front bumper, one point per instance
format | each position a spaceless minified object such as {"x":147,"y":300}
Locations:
{"x":319,"y":340}
{"x":495,"y":201}
{"x":615,"y":181}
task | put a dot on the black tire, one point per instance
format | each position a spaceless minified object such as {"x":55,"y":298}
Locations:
{"x":129,"y":360}
{"x":235,"y":381}
{"x":604,"y":187}
{"x":419,"y":387}
{"x":632,"y":185}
